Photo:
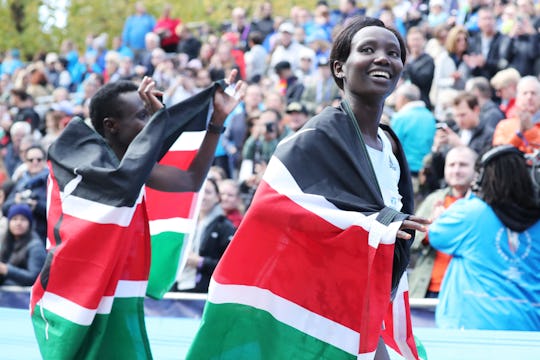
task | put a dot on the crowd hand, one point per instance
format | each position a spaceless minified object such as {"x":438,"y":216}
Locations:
{"x":3,"y":269}
{"x":474,"y":60}
{"x":525,"y":119}
{"x":456,"y":75}
{"x":226,"y":100}
{"x":149,"y":95}
{"x":438,"y":209}
{"x":440,"y":139}
{"x":193,"y":260}
{"x":452,"y":138}
{"x":413,"y":222}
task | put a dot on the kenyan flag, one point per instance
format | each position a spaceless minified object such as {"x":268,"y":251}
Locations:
{"x":309,"y":272}
{"x":88,"y":300}
{"x":172,"y":219}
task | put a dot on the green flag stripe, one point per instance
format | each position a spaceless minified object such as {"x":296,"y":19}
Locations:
{"x":167,"y":248}
{"x":249,"y":339}
{"x":288,"y":313}
{"x":57,"y":336}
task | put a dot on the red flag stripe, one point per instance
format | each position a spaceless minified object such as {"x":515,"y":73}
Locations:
{"x":340,"y":261}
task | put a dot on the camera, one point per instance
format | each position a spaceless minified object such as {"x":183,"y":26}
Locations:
{"x":441,"y":125}
{"x":270,"y":127}
{"x":26,"y":195}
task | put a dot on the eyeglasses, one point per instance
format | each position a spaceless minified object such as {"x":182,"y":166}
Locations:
{"x":35,"y":160}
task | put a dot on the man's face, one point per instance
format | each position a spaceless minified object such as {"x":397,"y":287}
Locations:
{"x":528,"y":97}
{"x":486,"y":21}
{"x":459,"y":168}
{"x":134,"y":118}
{"x":465,"y":117}
{"x":297,"y":120}
{"x":415,"y":42}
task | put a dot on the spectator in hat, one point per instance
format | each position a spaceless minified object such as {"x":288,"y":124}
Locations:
{"x":306,"y":67}
{"x":298,"y":115}
{"x":320,"y":90}
{"x":22,"y":252}
{"x":287,"y":48}
{"x":288,"y":84}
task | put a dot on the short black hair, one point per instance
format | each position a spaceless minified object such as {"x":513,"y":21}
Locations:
{"x":105,"y":102}
{"x":342,"y":44}
{"x":21,"y":94}
{"x":256,"y":37}
{"x":506,"y":180}
{"x":35,"y":146}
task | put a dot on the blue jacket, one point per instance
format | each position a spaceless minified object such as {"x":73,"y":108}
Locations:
{"x":493,"y":280}
{"x":414,"y":125}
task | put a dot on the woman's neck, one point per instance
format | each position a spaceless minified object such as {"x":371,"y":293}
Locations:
{"x":368,"y":113}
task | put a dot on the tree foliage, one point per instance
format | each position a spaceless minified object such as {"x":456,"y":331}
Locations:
{"x":23,"y":27}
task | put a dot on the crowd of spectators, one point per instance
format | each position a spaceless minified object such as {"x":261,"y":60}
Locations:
{"x":470,"y":82}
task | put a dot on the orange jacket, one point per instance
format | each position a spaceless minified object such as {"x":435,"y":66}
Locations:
{"x":507,"y":132}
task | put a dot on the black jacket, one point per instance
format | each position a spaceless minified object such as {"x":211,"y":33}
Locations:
{"x":214,"y":241}
{"x":493,"y":60}
{"x":420,"y":72}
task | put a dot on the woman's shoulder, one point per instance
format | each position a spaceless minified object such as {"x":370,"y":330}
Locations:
{"x":470,"y":205}
{"x":331,"y":120}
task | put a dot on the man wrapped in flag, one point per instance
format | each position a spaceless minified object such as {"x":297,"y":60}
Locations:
{"x":316,"y":268}
{"x":88,"y":300}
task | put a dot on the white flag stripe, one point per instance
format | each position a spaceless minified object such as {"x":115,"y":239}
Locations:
{"x":280,"y":179}
{"x":99,"y":213}
{"x":81,"y":315}
{"x":288,"y":313}
{"x":399,"y":312}
{"x":188,"y":141}
{"x":178,"y":225}
{"x":105,"y":305}
{"x":130,"y":288}
{"x":366,"y":356}
{"x":67,"y":309}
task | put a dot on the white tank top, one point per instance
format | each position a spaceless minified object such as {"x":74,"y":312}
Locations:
{"x":387,"y":170}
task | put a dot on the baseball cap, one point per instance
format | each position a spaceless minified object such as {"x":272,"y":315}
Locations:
{"x":286,"y":27}
{"x":296,"y":107}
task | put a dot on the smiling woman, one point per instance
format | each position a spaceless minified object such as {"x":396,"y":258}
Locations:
{"x":320,"y":255}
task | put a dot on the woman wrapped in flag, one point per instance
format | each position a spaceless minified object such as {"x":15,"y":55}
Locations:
{"x":316,"y":268}
{"x":87,"y":303}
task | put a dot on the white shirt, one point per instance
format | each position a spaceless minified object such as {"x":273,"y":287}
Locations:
{"x":387,"y":170}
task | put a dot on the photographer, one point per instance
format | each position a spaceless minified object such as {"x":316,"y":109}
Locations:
{"x":257,"y":151}
{"x":264,"y":137}
{"x":31,"y":188}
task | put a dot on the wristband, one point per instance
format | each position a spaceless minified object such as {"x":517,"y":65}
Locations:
{"x":215,"y":129}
